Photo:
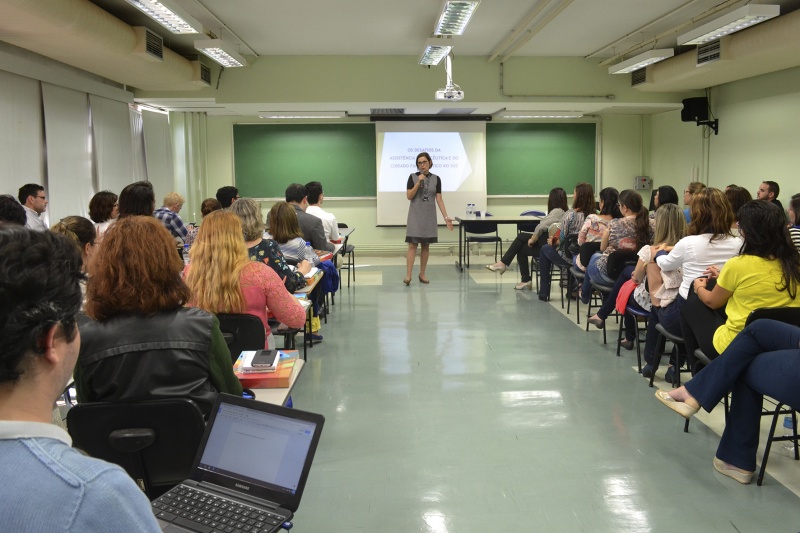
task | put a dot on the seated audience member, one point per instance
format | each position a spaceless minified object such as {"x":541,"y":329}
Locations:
{"x":766,"y":273}
{"x":556,"y":253}
{"x":285,"y":229}
{"x":34,"y":201}
{"x":626,"y":234}
{"x":315,"y":199}
{"x":737,"y":196}
{"x":103,"y":210}
{"x":763,"y":360}
{"x":137,"y":199}
{"x":227,"y":195}
{"x":11,"y":211}
{"x":167,"y":214}
{"x":708,"y":243}
{"x":224,"y":280}
{"x":208,"y":205}
{"x":81,"y":233}
{"x":690,"y":191}
{"x":528,"y":245}
{"x":769,"y":191}
{"x":651,"y":288}
{"x":47,"y":484}
{"x":596,"y":225}
{"x":794,"y":220}
{"x":311,"y":226}
{"x":267,"y":250}
{"x":141,"y":343}
{"x":664,"y":195}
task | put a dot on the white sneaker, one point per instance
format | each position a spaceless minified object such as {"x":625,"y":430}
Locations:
{"x":524,"y":286}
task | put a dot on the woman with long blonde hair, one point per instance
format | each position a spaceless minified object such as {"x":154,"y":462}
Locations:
{"x":224,"y":280}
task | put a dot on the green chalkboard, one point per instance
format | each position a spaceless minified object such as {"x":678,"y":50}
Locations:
{"x":532,"y":158}
{"x":269,"y":157}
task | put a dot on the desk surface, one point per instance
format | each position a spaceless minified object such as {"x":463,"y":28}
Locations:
{"x":498,"y":220}
{"x":345,"y":232}
{"x":279,"y":396}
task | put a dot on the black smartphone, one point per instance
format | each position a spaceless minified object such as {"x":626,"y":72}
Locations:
{"x":265,"y":358}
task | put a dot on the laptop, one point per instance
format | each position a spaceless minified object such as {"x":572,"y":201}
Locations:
{"x":250,"y":470}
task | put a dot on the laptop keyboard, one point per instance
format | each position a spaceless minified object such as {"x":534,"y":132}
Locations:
{"x":206,"y":513}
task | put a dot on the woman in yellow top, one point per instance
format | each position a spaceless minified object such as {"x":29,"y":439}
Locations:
{"x":765,"y":274}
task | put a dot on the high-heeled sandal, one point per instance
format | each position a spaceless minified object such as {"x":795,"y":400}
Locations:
{"x":424,"y":280}
{"x":407,"y":281}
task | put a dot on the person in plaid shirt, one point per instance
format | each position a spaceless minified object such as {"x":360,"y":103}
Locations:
{"x":168,"y":215}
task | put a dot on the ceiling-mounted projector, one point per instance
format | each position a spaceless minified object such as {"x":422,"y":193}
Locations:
{"x":450,"y":94}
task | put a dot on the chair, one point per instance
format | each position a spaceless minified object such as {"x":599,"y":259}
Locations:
{"x":636,"y":314}
{"x":155,"y":441}
{"x":242,"y":332}
{"x":576,"y":275}
{"x":481,"y":232}
{"x":347,"y":251}
{"x":676,"y":341}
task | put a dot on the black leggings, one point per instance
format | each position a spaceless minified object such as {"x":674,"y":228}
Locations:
{"x":698,"y":325}
{"x":520,"y":249}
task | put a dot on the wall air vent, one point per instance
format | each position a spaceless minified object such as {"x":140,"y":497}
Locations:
{"x":638,"y":77}
{"x":149,"y":45}
{"x":387,"y":111}
{"x":709,"y":52}
{"x":201,"y":74}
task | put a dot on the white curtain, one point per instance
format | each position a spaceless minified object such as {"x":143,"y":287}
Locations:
{"x":69,"y":151}
{"x":137,"y":139}
{"x":113,"y":145}
{"x":189,"y":142}
{"x":21,"y":133}
{"x":158,"y":153}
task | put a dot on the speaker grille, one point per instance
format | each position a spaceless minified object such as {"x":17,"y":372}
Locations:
{"x":708,"y":53}
{"x":638,"y":77}
{"x":205,"y":74}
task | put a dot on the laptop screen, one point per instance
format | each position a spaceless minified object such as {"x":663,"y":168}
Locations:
{"x":258,"y":447}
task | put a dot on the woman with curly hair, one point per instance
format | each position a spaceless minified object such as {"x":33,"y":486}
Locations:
{"x":222,"y":278}
{"x":141,"y":342}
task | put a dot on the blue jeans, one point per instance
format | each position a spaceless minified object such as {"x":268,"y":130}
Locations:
{"x":547,"y":257}
{"x":593,"y":274}
{"x":670,"y":318}
{"x":763,"y":359}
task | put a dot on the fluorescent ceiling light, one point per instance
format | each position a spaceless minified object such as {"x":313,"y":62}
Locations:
{"x":641,"y":61}
{"x":736,"y":20}
{"x":169,"y":15}
{"x":539,"y":114}
{"x":435,"y":50}
{"x":455,"y":17}
{"x":221,"y":52}
{"x":301,"y":114}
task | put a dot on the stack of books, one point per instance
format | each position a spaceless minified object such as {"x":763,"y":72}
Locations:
{"x":280,"y":377}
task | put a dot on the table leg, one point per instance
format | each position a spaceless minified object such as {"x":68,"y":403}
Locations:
{"x":460,"y":261}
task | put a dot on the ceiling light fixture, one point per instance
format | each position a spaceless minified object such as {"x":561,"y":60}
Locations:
{"x":221,"y":52}
{"x":539,"y":114}
{"x":435,"y":50}
{"x":736,"y":20}
{"x":279,"y":115}
{"x":455,"y":16}
{"x":641,"y":61}
{"x":169,"y":15}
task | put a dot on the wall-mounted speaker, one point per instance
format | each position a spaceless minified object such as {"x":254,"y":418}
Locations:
{"x":695,"y":109}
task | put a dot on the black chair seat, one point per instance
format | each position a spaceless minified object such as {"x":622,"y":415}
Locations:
{"x":155,"y":441}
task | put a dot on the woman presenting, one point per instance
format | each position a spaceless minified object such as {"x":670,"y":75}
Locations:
{"x":421,"y":227}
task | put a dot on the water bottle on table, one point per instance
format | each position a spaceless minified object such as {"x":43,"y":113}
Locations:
{"x":186,"y":253}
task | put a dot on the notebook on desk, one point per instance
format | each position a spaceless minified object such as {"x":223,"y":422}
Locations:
{"x":250,"y":470}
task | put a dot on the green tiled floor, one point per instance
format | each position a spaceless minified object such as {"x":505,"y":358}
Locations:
{"x":466,"y":406}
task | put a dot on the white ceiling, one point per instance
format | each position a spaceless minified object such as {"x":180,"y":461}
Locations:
{"x":600,"y":30}
{"x":382,"y":27}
